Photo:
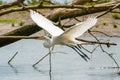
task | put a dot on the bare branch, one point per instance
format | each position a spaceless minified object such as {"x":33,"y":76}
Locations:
{"x":109,"y":54}
{"x":82,"y":9}
{"x":105,"y":34}
{"x":88,"y":50}
{"x":20,"y":37}
{"x":41,"y":37}
{"x":109,"y":10}
{"x":96,"y":42}
{"x":66,"y":13}
{"x":40,"y":7}
{"x":6,"y":5}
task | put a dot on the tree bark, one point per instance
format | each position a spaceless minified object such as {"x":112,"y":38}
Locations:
{"x":64,"y":13}
{"x":23,"y":31}
{"x":80,"y":2}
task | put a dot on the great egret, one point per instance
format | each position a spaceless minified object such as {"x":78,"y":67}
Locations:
{"x":60,"y":37}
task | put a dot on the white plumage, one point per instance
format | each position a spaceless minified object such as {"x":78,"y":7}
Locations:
{"x":59,"y":37}
{"x":45,"y":24}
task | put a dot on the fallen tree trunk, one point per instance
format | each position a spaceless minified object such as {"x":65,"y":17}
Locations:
{"x":23,"y":31}
{"x":80,"y":2}
{"x":64,"y":13}
{"x":41,"y":38}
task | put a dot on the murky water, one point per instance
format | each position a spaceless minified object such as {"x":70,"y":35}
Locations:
{"x":66,"y":63}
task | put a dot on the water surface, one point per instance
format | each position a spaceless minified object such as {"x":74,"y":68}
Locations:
{"x":66,"y":63}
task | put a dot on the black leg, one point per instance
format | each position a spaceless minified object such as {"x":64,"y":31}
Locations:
{"x":76,"y":49}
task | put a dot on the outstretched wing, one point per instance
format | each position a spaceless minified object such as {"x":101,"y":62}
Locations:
{"x":80,"y":28}
{"x":45,"y":24}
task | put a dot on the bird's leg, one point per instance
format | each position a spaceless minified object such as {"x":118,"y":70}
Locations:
{"x":76,"y":49}
{"x":50,"y":63}
{"x":40,"y":60}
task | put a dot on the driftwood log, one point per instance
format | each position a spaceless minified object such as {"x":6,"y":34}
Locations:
{"x":23,"y":31}
{"x":63,"y":12}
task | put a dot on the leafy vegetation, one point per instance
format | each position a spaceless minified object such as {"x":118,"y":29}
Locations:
{"x":35,"y":2}
{"x":116,"y":15}
{"x":115,"y":25}
{"x":21,"y":23}
{"x":12,"y":21}
{"x":103,"y":1}
{"x":7,"y":20}
{"x":90,"y":4}
{"x":97,"y":2}
{"x":1,"y":2}
{"x":105,"y":22}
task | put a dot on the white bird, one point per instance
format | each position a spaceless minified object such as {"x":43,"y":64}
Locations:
{"x":60,"y":37}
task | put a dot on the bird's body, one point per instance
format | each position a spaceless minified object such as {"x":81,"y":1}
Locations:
{"x":58,"y":36}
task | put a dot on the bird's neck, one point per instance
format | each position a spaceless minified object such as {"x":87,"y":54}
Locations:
{"x":48,"y":42}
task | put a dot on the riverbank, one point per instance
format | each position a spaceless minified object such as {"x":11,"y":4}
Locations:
{"x":106,"y":23}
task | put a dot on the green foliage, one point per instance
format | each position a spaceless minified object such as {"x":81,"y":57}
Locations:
{"x":97,"y":26}
{"x":97,"y":2}
{"x":103,"y":1}
{"x":115,"y":25}
{"x":33,"y":2}
{"x":13,"y":24}
{"x":105,"y":22}
{"x":12,"y":21}
{"x":1,"y":2}
{"x":7,"y":20}
{"x":90,"y":4}
{"x":21,"y":23}
{"x":116,"y":15}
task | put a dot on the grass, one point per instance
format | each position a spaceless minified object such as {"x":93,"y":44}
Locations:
{"x":21,"y":23}
{"x":116,"y":15}
{"x":115,"y":25}
{"x":12,"y":21}
{"x":97,"y":2}
{"x":1,"y":2}
{"x":35,"y":2}
{"x":7,"y":20}
{"x":90,"y":4}
{"x":105,"y":22}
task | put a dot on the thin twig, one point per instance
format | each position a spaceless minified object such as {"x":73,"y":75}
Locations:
{"x":88,"y":50}
{"x":77,"y":19}
{"x":109,"y":10}
{"x":104,"y":50}
{"x":56,"y":6}
{"x":95,"y":42}
{"x":106,"y":34}
{"x":21,"y":37}
{"x":40,"y":60}
{"x":12,"y":57}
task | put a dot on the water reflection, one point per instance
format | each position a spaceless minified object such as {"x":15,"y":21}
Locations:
{"x":14,"y":69}
{"x":64,"y":66}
